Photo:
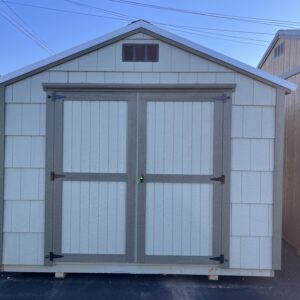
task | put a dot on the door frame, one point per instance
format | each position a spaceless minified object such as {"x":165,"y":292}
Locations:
{"x":52,"y":88}
{"x":54,"y":162}
{"x":221,"y":165}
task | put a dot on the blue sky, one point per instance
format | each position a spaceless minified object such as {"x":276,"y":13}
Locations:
{"x":61,"y":31}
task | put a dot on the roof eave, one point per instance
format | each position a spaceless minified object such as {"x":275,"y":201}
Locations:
{"x":142,"y":26}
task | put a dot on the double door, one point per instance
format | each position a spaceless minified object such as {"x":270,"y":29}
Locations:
{"x":136,"y":177}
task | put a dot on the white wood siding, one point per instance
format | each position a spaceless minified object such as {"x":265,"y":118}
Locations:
{"x":95,"y":136}
{"x":179,"y":219}
{"x":180,"y":137}
{"x":248,"y":93}
{"x":93,"y":215}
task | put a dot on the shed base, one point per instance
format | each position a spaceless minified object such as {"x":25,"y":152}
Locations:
{"x":138,"y":269}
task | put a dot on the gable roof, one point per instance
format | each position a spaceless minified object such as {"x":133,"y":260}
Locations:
{"x":156,"y":32}
{"x":287,"y":33}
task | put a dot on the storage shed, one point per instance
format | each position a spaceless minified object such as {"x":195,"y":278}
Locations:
{"x":142,"y":152}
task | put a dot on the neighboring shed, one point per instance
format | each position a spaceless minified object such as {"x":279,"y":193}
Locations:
{"x":283,"y":59}
{"x":162,"y":156}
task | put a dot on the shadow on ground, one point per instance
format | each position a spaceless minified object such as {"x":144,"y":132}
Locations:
{"x":285,"y":285}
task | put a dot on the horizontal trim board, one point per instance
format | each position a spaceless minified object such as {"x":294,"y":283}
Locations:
{"x":177,"y":259}
{"x":124,"y":268}
{"x":135,"y":87}
{"x":170,"y":178}
{"x":94,"y":177}
{"x":88,"y":258}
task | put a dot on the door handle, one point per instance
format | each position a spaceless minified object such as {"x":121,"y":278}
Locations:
{"x":140,"y":179}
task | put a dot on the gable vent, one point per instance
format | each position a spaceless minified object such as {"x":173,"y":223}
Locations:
{"x":140,"y":52}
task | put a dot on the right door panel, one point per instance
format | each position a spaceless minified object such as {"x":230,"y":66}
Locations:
{"x":180,"y":150}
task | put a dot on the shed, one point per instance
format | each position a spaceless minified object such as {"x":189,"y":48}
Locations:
{"x":142,"y":152}
{"x":282,"y":58}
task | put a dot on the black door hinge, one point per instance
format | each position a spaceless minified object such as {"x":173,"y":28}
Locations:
{"x":222,"y":98}
{"x":54,"y":176}
{"x":53,"y":256}
{"x":53,"y":96}
{"x":220,"y":259}
{"x":221,"y":179}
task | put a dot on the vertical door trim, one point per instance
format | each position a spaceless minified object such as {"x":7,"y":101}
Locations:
{"x":48,"y":235}
{"x":226,"y":162}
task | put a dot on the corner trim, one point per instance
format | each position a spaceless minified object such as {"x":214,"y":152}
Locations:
{"x":2,"y":153}
{"x":278,"y":179}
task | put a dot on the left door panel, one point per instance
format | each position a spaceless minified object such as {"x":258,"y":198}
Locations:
{"x":92,"y":182}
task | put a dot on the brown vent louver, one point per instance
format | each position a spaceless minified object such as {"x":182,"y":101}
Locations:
{"x":140,"y":52}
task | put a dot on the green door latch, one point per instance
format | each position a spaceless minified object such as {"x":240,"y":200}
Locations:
{"x":140,"y":179}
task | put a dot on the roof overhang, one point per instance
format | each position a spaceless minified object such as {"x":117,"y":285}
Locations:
{"x":156,"y":32}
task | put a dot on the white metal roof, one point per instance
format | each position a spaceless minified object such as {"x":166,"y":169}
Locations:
{"x":215,"y":56}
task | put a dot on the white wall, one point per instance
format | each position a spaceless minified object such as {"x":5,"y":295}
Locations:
{"x":252,"y":147}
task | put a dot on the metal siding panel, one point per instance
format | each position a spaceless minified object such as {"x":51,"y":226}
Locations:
{"x":31,"y":119}
{"x":259,"y":220}
{"x":265,"y":253}
{"x":266,"y":192}
{"x":7,"y":216}
{"x":263,"y":94}
{"x":76,"y":77}
{"x":244,"y":90}
{"x":237,"y":121}
{"x":251,"y":184}
{"x":12,"y":184}
{"x":88,"y":62}
{"x":240,"y":219}
{"x":107,"y":58}
{"x":20,"y":219}
{"x":11,"y":248}
{"x":252,"y":122}
{"x":21,"y":152}
{"x":37,"y":159}
{"x":262,"y":154}
{"x":250,"y":252}
{"x":180,"y":60}
{"x":236,"y":187}
{"x":240,"y":154}
{"x":268,"y":122}
{"x":13,"y":119}
{"x":37,"y":216}
{"x":30,"y":181}
{"x":164,"y":62}
{"x":31,"y":245}
{"x":235,"y":252}
{"x":38,"y":94}
{"x":22,"y":91}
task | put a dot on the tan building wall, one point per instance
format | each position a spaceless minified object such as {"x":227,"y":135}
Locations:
{"x":278,"y":66}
